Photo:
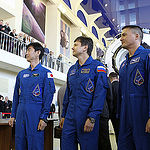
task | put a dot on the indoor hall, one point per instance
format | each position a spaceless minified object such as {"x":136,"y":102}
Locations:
{"x":55,"y":24}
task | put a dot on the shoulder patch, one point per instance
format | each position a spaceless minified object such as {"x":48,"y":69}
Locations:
{"x":49,"y":75}
{"x":101,"y":69}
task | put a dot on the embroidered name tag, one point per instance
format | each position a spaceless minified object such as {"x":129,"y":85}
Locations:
{"x":138,"y":80}
{"x":72,"y":72}
{"x":135,"y":60}
{"x":90,"y":86}
{"x":85,"y":70}
{"x":25,"y":75}
{"x":36,"y":91}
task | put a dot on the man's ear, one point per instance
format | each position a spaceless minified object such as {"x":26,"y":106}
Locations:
{"x":38,"y":52}
{"x":85,"y":48}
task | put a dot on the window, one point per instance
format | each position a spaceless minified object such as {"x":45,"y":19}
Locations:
{"x":132,"y":17}
{"x":122,"y":20}
{"x":121,"y":7}
{"x":131,"y":5}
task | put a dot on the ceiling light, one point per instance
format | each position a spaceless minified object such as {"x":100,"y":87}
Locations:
{"x":106,"y":5}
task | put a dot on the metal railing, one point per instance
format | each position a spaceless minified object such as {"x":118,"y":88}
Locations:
{"x":18,"y":47}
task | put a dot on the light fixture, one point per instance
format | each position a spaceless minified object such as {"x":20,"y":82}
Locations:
{"x":61,"y":8}
{"x":83,"y":30}
{"x":106,"y":5}
{"x":113,"y":19}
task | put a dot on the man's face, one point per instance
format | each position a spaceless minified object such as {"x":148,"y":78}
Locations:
{"x":128,"y":38}
{"x":78,"y":49}
{"x":1,"y":22}
{"x":31,"y":54}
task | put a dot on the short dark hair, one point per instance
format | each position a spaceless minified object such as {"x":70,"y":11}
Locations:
{"x":37,"y":46}
{"x":113,"y":75}
{"x":136,"y":29}
{"x":86,"y":41}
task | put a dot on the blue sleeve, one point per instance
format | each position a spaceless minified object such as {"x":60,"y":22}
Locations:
{"x":15,"y":97}
{"x":148,"y":78}
{"x":65,"y":101}
{"x":48,"y":92}
{"x":99,"y":96}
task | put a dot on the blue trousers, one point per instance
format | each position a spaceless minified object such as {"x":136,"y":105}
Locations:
{"x":27,"y":137}
{"x":73,"y":134}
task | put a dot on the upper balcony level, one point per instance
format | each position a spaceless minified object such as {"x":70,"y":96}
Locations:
{"x":12,"y":58}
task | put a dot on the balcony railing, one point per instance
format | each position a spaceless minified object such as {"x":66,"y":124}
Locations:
{"x":18,"y":47}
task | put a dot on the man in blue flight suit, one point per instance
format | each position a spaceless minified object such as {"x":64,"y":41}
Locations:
{"x":33,"y":95}
{"x":135,"y":92}
{"x":84,"y":99}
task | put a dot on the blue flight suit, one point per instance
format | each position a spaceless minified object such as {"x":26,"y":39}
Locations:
{"x":33,"y":95}
{"x":84,"y":97}
{"x":134,"y":75}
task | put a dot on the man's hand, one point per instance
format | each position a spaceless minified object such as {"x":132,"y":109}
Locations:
{"x":88,"y":127}
{"x":42,"y":125}
{"x":11,"y":121}
{"x":62,"y":122}
{"x":148,"y":126}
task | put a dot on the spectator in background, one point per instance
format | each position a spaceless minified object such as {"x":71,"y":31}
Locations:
{"x":7,"y":107}
{"x":6,"y":28}
{"x":1,"y":24}
{"x":51,"y":60}
{"x":28,"y":40}
{"x":114,"y":103}
{"x":44,"y":58}
{"x":60,"y":98}
{"x":12,"y":40}
{"x":59,"y":62}
{"x":52,"y":110}
{"x":32,"y":40}
{"x":1,"y":104}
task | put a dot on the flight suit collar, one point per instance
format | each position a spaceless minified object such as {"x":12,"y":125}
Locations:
{"x":87,"y":62}
{"x":139,"y":49}
{"x":36,"y":68}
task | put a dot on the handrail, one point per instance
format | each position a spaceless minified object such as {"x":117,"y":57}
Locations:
{"x":18,"y":47}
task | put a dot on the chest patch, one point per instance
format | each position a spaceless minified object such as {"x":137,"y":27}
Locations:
{"x":85,"y":70}
{"x":36,"y":91}
{"x":138,"y":79}
{"x":25,"y":75}
{"x":135,"y":60}
{"x":90,"y":86}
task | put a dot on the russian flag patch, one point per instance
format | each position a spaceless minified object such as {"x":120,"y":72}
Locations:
{"x":101,"y":69}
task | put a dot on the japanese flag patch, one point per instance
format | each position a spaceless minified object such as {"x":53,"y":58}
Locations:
{"x":49,"y":75}
{"x":101,"y":69}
